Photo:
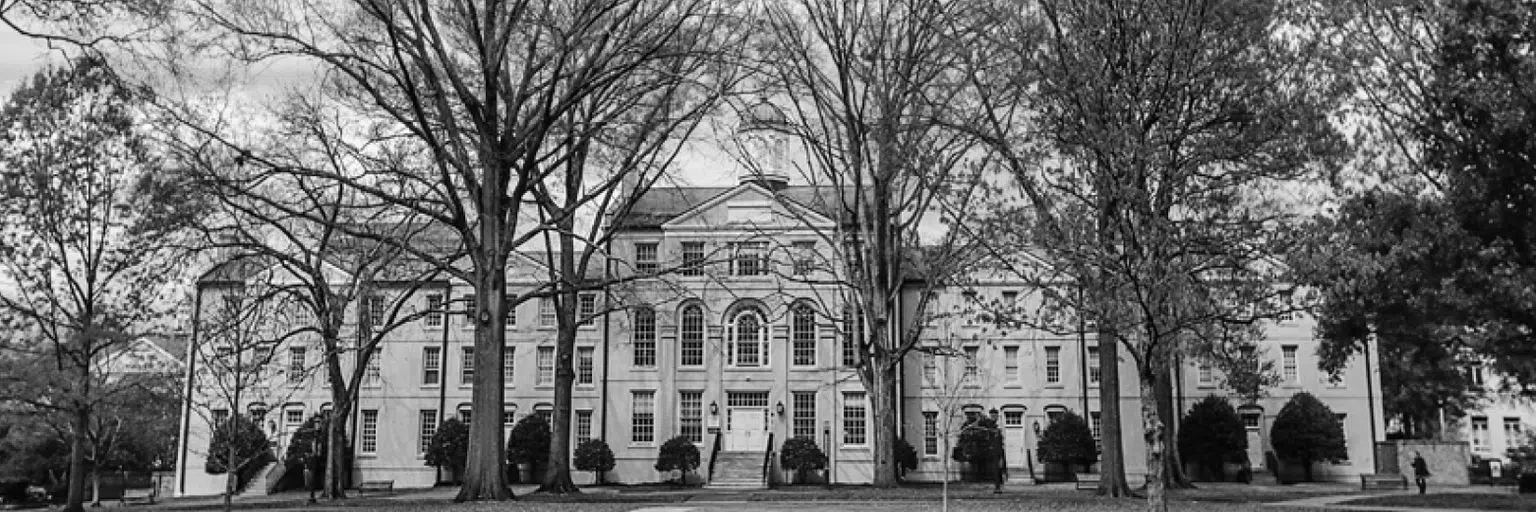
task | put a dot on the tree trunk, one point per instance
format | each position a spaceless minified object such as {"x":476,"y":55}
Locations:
{"x":336,"y":473}
{"x":881,"y":396}
{"x":1112,"y":470}
{"x":95,"y":486}
{"x":1152,"y":431}
{"x":485,"y":473}
{"x":557,"y":468}
{"x":1174,"y":476}
{"x":76,"y":499}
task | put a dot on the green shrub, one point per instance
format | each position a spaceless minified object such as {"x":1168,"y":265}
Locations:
{"x":529,"y":442}
{"x":1068,"y":440}
{"x":679,"y":454}
{"x":1306,"y":431}
{"x":1213,"y":434}
{"x":449,"y":446}
{"x":980,"y":444}
{"x":595,"y":456}
{"x":802,"y":455}
{"x":251,"y":446}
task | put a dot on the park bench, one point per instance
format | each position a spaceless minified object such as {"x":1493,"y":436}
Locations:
{"x":145,"y":495}
{"x":376,"y":486}
{"x":1087,"y":481}
{"x":1383,"y":481}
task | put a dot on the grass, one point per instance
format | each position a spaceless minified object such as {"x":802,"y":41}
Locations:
{"x":1451,"y":500}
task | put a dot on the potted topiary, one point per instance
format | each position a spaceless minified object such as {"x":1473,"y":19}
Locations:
{"x":678,"y":454}
{"x":528,"y":446}
{"x":801,"y":455}
{"x":595,"y":456}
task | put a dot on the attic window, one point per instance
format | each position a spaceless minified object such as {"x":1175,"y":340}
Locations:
{"x":749,"y":213}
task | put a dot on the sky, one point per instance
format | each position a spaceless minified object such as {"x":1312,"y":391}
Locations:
{"x":20,"y":57}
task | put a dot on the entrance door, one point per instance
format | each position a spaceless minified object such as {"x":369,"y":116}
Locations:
{"x":1253,"y":423}
{"x":747,"y":429}
{"x":1013,"y":437}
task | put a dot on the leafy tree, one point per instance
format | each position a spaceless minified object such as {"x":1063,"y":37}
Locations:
{"x":238,"y":445}
{"x":595,"y":456}
{"x":449,"y":447}
{"x":1213,"y":434}
{"x":1306,"y":431}
{"x":802,"y":455}
{"x":1068,"y":440}
{"x":91,"y":237}
{"x":529,"y":441}
{"x":678,"y":454}
{"x":307,"y":444}
{"x":906,"y":456}
{"x":980,"y":444}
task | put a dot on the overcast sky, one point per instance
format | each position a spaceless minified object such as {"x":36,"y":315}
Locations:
{"x":20,"y":57}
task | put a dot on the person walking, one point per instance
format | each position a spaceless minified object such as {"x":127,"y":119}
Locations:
{"x":1001,"y":474}
{"x":1420,"y":471}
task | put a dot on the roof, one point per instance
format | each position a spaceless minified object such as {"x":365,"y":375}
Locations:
{"x":661,"y":204}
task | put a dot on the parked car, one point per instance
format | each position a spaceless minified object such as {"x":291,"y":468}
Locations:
{"x":19,"y":494}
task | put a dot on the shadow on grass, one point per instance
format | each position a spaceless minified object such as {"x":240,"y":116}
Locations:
{"x":1451,"y":501}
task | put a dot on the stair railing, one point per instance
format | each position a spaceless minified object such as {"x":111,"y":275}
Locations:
{"x":714,"y":453}
{"x":768,"y":460}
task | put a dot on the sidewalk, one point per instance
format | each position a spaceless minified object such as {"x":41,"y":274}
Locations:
{"x":1337,"y":502}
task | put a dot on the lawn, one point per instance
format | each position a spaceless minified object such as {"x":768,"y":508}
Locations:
{"x":1452,"y":500}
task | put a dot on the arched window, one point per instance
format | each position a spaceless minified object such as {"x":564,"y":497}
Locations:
{"x":749,"y":339}
{"x":691,"y":336}
{"x":803,"y":333}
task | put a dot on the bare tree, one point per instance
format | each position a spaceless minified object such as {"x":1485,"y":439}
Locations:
{"x":1173,"y":123}
{"x":870,"y":86}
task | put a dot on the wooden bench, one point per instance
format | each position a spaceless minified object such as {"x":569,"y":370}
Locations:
{"x":376,"y":486}
{"x":1087,"y":481}
{"x":145,"y":495}
{"x":1383,"y":481}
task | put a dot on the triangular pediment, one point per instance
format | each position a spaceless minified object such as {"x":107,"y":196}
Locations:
{"x":749,"y":207}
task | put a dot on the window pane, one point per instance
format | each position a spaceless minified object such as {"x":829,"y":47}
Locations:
{"x":854,"y":430}
{"x":644,"y":337}
{"x":804,"y":414}
{"x":690,"y":415}
{"x":431,"y":366}
{"x":584,"y":365}
{"x":691,"y":349}
{"x":804,"y":334}
{"x":467,"y":368}
{"x":427,"y":428}
{"x":546,"y":371}
{"x":368,"y":439}
{"x":643,"y":417}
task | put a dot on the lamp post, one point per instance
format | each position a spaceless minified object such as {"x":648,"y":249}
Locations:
{"x":309,"y":463}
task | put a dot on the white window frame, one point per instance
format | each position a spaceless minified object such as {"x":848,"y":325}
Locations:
{"x":586,"y":366}
{"x":368,"y":433}
{"x":586,"y":310}
{"x":547,"y":315}
{"x":647,"y":257}
{"x":1290,"y":368}
{"x":466,"y":366}
{"x":693,"y":253}
{"x":426,"y":428}
{"x":545,"y":359}
{"x":855,"y":408}
{"x":434,"y":317}
{"x":1095,"y":374}
{"x":431,"y":366}
{"x":1053,"y":365}
{"x":690,"y":415}
{"x":1011,"y":364}
{"x":508,"y":365}
{"x":643,"y":337}
{"x":734,"y":353}
{"x":690,"y":337}
{"x":642,"y":415}
{"x":802,"y":326}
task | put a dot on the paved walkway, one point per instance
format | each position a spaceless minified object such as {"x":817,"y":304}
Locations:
{"x":1337,"y":502}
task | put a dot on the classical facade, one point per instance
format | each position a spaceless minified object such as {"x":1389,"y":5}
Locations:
{"x":732,"y":335}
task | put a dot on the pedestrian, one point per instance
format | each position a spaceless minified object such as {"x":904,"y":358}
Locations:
{"x":1002,"y":472}
{"x":1420,"y":471}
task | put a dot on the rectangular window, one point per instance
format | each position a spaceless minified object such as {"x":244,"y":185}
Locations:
{"x":545,"y":411}
{"x":1093,"y":366}
{"x":930,"y":370}
{"x":1512,"y":436}
{"x":690,"y":348}
{"x":296,"y":364}
{"x":434,"y":317}
{"x":854,"y":426}
{"x":584,"y":366}
{"x":1251,"y":420}
{"x":1479,"y":434}
{"x":368,"y":438}
{"x":1013,"y":418}
{"x":972,"y":365}
{"x":586,"y":309}
{"x":1205,"y":374}
{"x":805,"y":257}
{"x":803,"y":333}
{"x":467,"y":368}
{"x":375,"y":375}
{"x":1052,"y":365}
{"x":465,"y":414}
{"x":375,"y":310}
{"x":1475,"y":375}
{"x":693,"y":258}
{"x":690,"y":413}
{"x":427,"y":428}
{"x":431,"y":366}
{"x":1011,"y":364}
{"x":511,"y":315}
{"x":546,"y":312}
{"x":645,"y":257}
{"x":804,"y":414}
{"x":292,"y":419}
{"x":751,"y":259}
{"x":508,"y":365}
{"x":644,"y":337}
{"x":469,"y":310}
{"x":1288,"y":358}
{"x":546,"y":374}
{"x":1343,"y":431}
{"x":930,"y":433}
{"x":583,"y":427}
{"x":853,"y":332}
{"x":642,"y":421}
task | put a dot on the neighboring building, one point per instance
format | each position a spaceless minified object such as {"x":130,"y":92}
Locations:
{"x":1501,"y":420}
{"x":740,"y":338}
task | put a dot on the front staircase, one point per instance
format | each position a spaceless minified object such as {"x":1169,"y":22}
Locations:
{"x":738,"y":471}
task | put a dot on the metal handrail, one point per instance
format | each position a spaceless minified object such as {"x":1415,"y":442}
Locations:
{"x":714,"y":453}
{"x":767,"y":459}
